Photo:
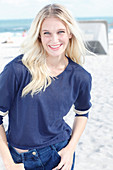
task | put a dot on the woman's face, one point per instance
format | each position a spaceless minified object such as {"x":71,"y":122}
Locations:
{"x":54,"y":37}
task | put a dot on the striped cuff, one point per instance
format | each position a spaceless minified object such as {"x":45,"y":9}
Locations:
{"x":3,"y":113}
{"x":78,"y":112}
{"x":84,"y":115}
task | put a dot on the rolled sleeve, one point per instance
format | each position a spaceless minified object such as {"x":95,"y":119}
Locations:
{"x":8,"y":89}
{"x":82,"y":103}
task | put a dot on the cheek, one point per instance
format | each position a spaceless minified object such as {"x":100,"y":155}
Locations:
{"x":64,"y":38}
{"x":44,"y":40}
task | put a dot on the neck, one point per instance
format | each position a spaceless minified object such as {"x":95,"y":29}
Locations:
{"x":56,"y":61}
{"x":57,"y":65}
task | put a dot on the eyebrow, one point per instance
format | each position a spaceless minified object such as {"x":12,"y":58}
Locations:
{"x":57,"y":30}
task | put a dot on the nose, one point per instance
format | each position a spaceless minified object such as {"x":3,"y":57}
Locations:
{"x":54,"y":38}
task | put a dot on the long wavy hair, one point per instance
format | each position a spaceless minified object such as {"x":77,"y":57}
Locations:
{"x":34,"y":57}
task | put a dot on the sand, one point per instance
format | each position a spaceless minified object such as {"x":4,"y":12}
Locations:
{"x":95,"y":148}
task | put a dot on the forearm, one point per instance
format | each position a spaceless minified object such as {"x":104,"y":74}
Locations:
{"x":78,"y":128}
{"x":67,"y":152}
{"x":4,"y":150}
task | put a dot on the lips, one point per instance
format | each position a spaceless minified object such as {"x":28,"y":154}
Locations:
{"x":55,"y":47}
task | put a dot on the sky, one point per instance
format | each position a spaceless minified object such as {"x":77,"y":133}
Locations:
{"x":25,"y":9}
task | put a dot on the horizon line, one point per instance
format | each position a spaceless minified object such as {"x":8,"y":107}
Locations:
{"x":75,"y":17}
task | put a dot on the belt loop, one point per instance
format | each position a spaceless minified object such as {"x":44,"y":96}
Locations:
{"x":53,"y":147}
{"x":22,"y":156}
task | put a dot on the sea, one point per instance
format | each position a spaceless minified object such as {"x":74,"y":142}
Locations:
{"x":16,"y":27}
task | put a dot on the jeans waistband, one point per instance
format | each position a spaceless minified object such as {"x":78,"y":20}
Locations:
{"x":36,"y":152}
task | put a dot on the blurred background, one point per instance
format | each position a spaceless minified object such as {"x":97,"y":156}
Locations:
{"x":17,"y":15}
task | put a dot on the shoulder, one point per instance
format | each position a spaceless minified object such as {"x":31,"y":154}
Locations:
{"x":17,"y":67}
{"x":80,"y":73}
{"x":16,"y":64}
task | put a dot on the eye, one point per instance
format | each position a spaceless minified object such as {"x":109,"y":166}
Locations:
{"x":61,"y":32}
{"x":46,"y":33}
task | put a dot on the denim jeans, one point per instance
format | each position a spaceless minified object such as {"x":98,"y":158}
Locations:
{"x":40,"y":159}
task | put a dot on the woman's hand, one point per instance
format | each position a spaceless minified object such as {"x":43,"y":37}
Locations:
{"x":66,"y":159}
{"x":14,"y":166}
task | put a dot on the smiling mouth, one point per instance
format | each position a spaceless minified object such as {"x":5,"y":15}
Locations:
{"x":55,"y":47}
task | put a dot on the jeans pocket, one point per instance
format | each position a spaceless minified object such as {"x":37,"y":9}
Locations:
{"x":56,"y":153}
{"x":60,"y":146}
{"x":15,"y":155}
{"x":53,"y":160}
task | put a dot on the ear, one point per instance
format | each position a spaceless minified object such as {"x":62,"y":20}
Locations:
{"x":70,"y":35}
{"x":39,"y":38}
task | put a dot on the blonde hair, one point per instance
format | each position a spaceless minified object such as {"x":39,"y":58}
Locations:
{"x":34,"y":57}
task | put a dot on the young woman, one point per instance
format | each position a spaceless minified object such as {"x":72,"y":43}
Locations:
{"x":38,"y":88}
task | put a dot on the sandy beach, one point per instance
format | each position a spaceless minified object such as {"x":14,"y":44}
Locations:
{"x":95,"y":148}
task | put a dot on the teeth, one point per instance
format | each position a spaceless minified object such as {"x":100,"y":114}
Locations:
{"x":54,"y":46}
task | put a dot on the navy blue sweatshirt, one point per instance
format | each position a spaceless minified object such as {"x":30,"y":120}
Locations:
{"x":36,"y":122}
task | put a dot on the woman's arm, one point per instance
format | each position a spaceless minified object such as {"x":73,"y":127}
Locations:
{"x":5,"y":153}
{"x":78,"y":128}
{"x":67,"y":152}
